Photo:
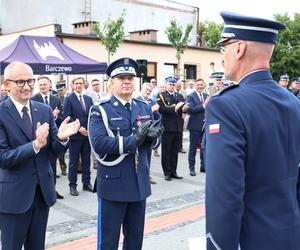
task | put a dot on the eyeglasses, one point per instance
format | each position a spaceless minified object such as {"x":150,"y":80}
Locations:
{"x":21,"y":83}
{"x":223,"y":47}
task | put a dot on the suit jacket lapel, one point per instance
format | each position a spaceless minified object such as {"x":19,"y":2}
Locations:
{"x":14,"y":114}
{"x":34,"y":117}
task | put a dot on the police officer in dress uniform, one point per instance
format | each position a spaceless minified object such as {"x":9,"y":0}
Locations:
{"x":218,"y":84}
{"x":252,"y":146}
{"x":120,"y":136}
{"x":171,"y":107}
{"x":284,"y":81}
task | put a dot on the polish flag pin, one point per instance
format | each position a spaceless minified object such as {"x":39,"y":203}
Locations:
{"x":214,"y":128}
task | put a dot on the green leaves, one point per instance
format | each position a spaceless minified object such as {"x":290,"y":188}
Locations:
{"x":212,"y":32}
{"x":178,"y":38}
{"x":286,"y":54}
{"x":111,"y":34}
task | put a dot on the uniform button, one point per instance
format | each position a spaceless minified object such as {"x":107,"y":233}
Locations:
{"x":133,"y":128}
{"x":106,"y":176}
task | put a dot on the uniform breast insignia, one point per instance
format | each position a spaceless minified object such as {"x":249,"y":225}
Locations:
{"x":115,"y":103}
{"x":116,"y":118}
{"x":141,"y":119}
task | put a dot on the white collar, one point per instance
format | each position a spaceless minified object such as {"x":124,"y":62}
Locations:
{"x":123,"y":101}
{"x":20,"y":106}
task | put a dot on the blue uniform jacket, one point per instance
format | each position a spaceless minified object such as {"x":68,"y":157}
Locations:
{"x":72,"y":108}
{"x":196,"y":111}
{"x":252,"y":159}
{"x":19,"y":164}
{"x":127,"y":181}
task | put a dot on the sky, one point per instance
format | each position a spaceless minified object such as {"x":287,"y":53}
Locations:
{"x":210,"y":9}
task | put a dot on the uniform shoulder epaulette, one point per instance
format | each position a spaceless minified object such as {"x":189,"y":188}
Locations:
{"x":140,"y":100}
{"x":101,"y":101}
{"x":222,"y":91}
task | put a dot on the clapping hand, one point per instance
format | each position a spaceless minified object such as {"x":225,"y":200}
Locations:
{"x":67,"y":128}
{"x":41,"y":135}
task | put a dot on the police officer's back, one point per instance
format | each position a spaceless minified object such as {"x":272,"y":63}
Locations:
{"x":252,"y":146}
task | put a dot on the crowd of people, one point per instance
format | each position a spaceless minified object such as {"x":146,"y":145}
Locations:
{"x":252,"y":177}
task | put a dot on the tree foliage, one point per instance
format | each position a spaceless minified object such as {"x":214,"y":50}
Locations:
{"x":178,"y":38}
{"x":212,"y":32}
{"x":286,"y":55}
{"x":111,"y":34}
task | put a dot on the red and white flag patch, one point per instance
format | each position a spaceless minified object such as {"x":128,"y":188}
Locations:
{"x":214,"y":128}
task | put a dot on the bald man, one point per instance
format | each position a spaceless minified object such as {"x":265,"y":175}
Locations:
{"x":28,"y":135}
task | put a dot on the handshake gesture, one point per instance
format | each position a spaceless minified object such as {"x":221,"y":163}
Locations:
{"x":148,"y":132}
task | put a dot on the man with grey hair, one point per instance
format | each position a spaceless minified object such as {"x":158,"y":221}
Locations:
{"x":28,"y":135}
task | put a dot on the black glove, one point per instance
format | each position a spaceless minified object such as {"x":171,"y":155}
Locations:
{"x":142,"y":132}
{"x":153,"y":133}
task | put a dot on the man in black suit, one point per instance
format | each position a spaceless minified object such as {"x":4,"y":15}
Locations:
{"x":28,"y":135}
{"x":171,"y":107}
{"x":45,"y":96}
{"x":77,"y":106}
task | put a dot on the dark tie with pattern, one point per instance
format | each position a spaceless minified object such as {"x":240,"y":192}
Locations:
{"x":128,"y":108}
{"x":27,"y":121}
{"x":81,"y":102}
{"x":46,"y":100}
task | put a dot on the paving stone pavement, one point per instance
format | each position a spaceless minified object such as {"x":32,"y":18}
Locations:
{"x":76,"y":217}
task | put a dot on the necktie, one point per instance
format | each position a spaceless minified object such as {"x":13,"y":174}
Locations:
{"x":46,"y":100}
{"x":128,"y":108}
{"x":201,"y":97}
{"x":81,"y":102}
{"x":27,"y":121}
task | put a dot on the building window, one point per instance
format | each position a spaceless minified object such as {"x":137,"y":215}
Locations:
{"x":151,"y":71}
{"x":190,"y":71}
{"x":170,"y":70}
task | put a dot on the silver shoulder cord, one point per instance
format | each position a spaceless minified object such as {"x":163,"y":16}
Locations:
{"x":209,"y":236}
{"x":110,"y":133}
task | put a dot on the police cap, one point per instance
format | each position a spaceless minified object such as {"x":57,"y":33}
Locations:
{"x":296,"y":79}
{"x":249,"y":28}
{"x":284,"y":77}
{"x":60,"y":85}
{"x":170,"y":79}
{"x":218,"y":75}
{"x":122,"y":66}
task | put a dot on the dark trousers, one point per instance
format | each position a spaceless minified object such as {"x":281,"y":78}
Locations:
{"x":62,"y":163}
{"x":195,"y":138}
{"x":112,"y":215}
{"x":82,"y":148}
{"x":170,"y":145}
{"x":28,"y":229}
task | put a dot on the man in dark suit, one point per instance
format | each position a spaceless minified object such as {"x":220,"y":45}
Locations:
{"x":45,"y":96}
{"x":121,"y":150}
{"x":196,"y":110}
{"x":171,"y":108}
{"x":28,"y":134}
{"x":77,"y":106}
{"x":252,"y":146}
